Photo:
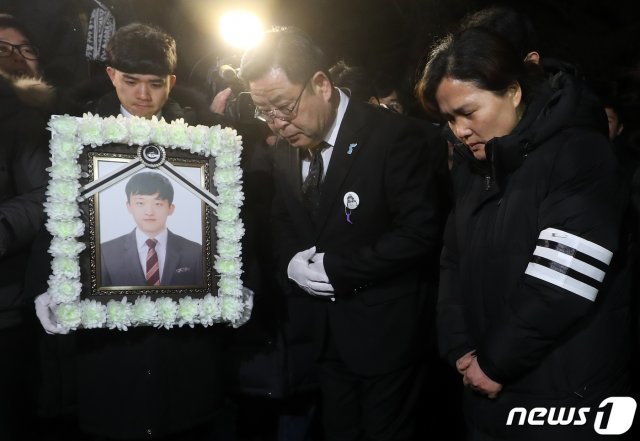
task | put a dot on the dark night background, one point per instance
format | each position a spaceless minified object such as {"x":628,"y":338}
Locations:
{"x":602,"y":37}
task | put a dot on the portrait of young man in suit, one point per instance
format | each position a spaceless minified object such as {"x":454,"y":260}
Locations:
{"x":150,"y":255}
{"x":362,"y":260}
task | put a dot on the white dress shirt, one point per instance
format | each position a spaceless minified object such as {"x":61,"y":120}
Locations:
{"x":330,"y":138}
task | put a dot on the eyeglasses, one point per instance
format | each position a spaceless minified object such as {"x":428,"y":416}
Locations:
{"x":281,"y":113}
{"x":28,"y":51}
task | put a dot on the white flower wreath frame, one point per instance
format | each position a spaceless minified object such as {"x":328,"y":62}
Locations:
{"x":69,"y":137}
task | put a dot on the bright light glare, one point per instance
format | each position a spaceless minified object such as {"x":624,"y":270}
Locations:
{"x":241,"y":29}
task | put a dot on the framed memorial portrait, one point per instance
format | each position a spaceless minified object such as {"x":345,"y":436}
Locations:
{"x":145,"y":220}
{"x":149,"y":205}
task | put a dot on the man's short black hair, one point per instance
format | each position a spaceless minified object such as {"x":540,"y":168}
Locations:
{"x":150,"y":183}
{"x":289,"y":49}
{"x":142,"y":49}
{"x":8,"y":21}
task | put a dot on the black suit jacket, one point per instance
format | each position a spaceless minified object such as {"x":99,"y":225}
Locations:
{"x":120,"y":263}
{"x":377,"y":264}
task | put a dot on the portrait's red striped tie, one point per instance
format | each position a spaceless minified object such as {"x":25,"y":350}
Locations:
{"x":153,"y":270}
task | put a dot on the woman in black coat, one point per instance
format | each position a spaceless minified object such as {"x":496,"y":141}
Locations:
{"x":533,"y":306}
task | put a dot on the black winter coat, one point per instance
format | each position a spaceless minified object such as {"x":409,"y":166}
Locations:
{"x":23,"y":180}
{"x":528,"y":280}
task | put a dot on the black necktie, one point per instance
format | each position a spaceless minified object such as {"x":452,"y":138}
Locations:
{"x":313,"y":181}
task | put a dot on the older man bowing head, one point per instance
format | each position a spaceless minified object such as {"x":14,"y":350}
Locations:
{"x":353,"y":227}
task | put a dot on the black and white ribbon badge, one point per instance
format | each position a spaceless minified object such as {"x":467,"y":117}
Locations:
{"x":351,"y":201}
{"x":152,"y":155}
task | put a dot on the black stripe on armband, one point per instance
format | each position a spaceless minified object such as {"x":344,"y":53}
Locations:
{"x":572,"y":252}
{"x":566,"y":271}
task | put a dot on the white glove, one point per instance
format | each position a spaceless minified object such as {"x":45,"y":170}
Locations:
{"x":247,"y":299}
{"x":46,"y":317}
{"x":309,"y":275}
{"x":317,"y":265}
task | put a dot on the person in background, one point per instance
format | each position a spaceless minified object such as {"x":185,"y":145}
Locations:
{"x":615,"y":108}
{"x":355,"y":80}
{"x":513,"y":26}
{"x":377,"y":88}
{"x":535,"y":229}
{"x":18,"y":56}
{"x":19,"y":66}
{"x":23,"y":180}
{"x":616,"y":124}
{"x":617,"y":115}
{"x":390,"y":93}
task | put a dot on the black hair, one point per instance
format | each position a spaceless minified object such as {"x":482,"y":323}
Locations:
{"x":608,"y":91}
{"x":9,"y":21}
{"x":289,"y":49}
{"x":354,"y":78}
{"x":480,"y":57}
{"x":142,"y":49}
{"x":510,"y":24}
{"x":385,"y":84}
{"x":150,"y":183}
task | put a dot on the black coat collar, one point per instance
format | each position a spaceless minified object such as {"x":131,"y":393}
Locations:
{"x":561,"y":102}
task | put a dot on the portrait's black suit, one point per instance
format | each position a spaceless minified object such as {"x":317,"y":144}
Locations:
{"x":378,"y":325}
{"x":120,"y":264}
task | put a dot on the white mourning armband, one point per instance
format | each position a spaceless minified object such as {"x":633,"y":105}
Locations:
{"x":570,"y":262}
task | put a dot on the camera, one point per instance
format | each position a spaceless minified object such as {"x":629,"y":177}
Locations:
{"x":239,"y":108}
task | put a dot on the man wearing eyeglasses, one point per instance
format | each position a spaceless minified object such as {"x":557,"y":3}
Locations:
{"x":18,"y":56}
{"x":361,"y":263}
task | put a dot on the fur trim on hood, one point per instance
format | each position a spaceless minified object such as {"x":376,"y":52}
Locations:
{"x":33,"y":92}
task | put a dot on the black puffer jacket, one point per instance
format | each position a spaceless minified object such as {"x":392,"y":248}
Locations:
{"x":23,"y":180}
{"x":526,"y":249}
